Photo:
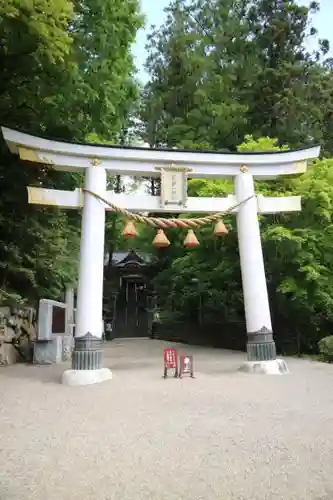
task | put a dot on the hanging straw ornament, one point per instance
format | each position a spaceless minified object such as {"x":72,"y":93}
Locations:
{"x":129,"y":230}
{"x":191,"y":240}
{"x":220,"y":229}
{"x":160,"y":240}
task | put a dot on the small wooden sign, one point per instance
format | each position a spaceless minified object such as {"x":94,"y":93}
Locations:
{"x":170,"y":361}
{"x":173,"y":187}
{"x":186,"y":366}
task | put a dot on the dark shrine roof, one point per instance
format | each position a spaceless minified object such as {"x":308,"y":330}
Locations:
{"x":123,"y":257}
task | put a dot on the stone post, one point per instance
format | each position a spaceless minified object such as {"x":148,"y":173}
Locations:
{"x":68,"y":340}
{"x":69,"y":299}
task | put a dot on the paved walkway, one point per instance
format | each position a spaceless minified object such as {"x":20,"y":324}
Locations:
{"x":225,"y":435}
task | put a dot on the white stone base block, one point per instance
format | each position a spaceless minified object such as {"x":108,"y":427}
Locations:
{"x":272,"y":367}
{"x":85,"y":377}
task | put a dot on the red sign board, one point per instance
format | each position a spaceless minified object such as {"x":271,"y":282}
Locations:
{"x":170,"y":361}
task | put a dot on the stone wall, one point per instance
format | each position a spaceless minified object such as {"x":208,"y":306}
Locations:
{"x":17,"y":328}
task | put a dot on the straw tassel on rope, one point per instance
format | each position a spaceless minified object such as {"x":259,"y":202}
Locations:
{"x":191,"y":240}
{"x":129,"y":230}
{"x":220,"y":229}
{"x":160,"y":240}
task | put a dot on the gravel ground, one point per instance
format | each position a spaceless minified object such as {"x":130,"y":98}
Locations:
{"x":225,"y":435}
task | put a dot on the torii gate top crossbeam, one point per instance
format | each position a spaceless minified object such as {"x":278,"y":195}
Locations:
{"x":144,"y":161}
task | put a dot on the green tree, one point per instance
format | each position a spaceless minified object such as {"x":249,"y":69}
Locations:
{"x":220,"y":70}
{"x":33,"y":53}
{"x":191,"y":100}
{"x":36,"y":249}
{"x":102,"y":88}
{"x":67,"y":72}
{"x":283,"y":98}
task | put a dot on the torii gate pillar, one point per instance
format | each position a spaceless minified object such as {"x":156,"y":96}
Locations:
{"x":88,"y":354}
{"x":260,"y":343}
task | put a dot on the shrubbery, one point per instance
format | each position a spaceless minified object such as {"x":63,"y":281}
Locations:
{"x":325,"y":347}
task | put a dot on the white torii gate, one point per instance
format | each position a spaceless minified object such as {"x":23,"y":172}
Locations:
{"x":87,"y":360}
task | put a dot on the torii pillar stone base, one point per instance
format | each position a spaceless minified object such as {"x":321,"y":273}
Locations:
{"x":86,"y":377}
{"x":271,"y":367}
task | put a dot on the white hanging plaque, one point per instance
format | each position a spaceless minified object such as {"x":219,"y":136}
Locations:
{"x":173,"y":187}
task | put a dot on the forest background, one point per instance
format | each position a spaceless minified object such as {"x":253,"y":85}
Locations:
{"x":224,"y":75}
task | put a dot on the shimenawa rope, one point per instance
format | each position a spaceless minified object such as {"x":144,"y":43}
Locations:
{"x":163,"y":223}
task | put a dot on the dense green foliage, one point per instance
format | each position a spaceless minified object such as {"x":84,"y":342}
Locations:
{"x":223,"y":75}
{"x":222,"y":71}
{"x":325,"y":347}
{"x":67,"y":72}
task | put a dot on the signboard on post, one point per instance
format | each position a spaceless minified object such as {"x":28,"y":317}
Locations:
{"x":170,"y":361}
{"x":186,"y":366}
{"x":173,"y":187}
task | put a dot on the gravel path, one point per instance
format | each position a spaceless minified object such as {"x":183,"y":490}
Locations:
{"x":225,"y":435}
